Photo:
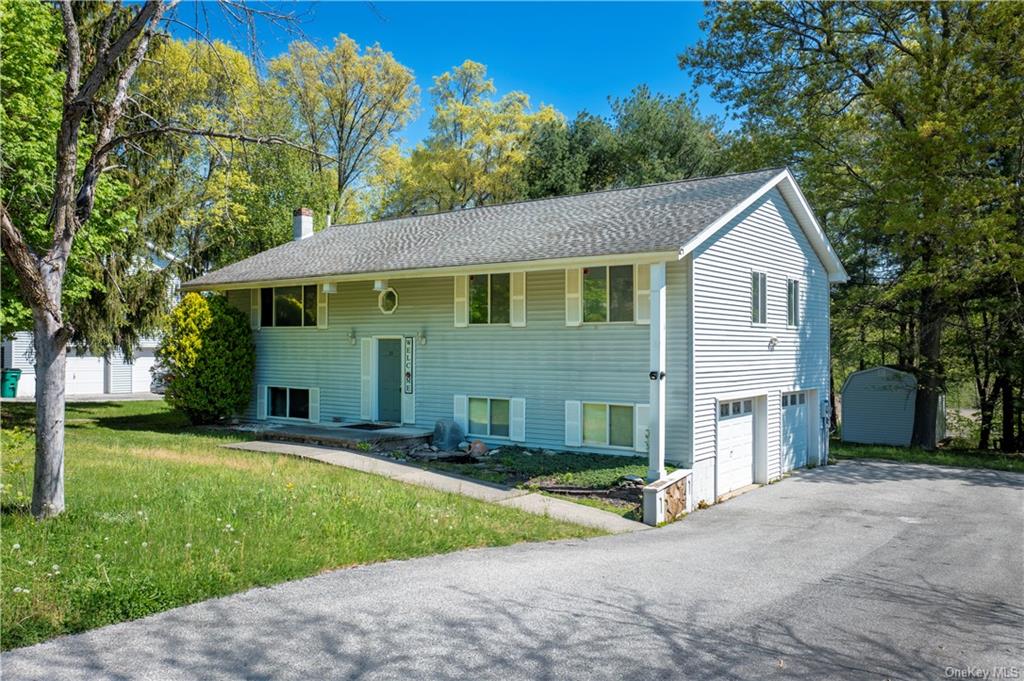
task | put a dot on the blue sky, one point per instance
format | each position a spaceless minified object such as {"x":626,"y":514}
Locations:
{"x":572,"y":55}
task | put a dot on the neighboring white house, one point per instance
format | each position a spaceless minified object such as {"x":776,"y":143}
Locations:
{"x":685,"y":321}
{"x":878,"y":407}
{"x":85,"y":374}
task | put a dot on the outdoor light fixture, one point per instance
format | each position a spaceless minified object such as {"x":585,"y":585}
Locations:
{"x":380,"y":284}
{"x":772,"y":342}
{"x":351,"y":336}
{"x":330,"y":287}
{"x":421,"y":336}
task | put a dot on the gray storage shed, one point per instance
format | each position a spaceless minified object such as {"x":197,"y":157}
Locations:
{"x":878,"y":407}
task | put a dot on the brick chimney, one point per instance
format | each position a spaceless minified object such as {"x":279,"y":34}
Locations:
{"x":302,"y":223}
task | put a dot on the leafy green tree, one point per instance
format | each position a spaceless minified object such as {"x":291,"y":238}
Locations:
{"x":649,"y":138}
{"x":210,"y":358}
{"x":897,"y":115}
{"x":350,"y":104}
{"x":476,"y":152}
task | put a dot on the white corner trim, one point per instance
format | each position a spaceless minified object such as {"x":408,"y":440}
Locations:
{"x":805,"y":216}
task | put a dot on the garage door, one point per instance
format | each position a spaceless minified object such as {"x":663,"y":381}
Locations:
{"x":794,"y":430}
{"x":735,"y":444}
{"x":141,"y":374}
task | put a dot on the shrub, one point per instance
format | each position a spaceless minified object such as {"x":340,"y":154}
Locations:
{"x":210,"y":358}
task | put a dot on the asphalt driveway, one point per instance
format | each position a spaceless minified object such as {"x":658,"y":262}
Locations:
{"x":859,"y":571}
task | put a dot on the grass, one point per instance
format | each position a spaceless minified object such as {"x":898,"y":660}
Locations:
{"x":963,"y":458}
{"x":160,"y":516}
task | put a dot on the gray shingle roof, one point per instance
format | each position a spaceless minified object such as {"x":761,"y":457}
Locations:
{"x":652,"y":218}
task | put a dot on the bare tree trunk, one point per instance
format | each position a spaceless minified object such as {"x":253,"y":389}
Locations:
{"x":50,"y":355}
{"x":930,"y":371}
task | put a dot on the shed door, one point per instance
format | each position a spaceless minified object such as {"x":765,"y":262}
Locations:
{"x":735,"y":444}
{"x":794,"y":430}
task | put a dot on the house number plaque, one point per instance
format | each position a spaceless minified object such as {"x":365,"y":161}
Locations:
{"x":407,"y":365}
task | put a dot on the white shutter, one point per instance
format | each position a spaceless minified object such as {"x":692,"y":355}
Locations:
{"x":573,"y":299}
{"x":254,"y":308}
{"x":642,"y":293}
{"x":461,"y":300}
{"x":409,"y":399}
{"x":461,"y":413}
{"x":366,"y":379}
{"x":261,"y":402}
{"x":321,"y":307}
{"x":517,"y":420}
{"x":641,"y":426}
{"x":518,"y":316}
{"x":573,"y":423}
{"x":314,"y":405}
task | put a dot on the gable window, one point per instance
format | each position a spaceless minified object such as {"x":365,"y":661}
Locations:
{"x":490,"y":298}
{"x":489,"y":417}
{"x":608,"y":294}
{"x":758,"y":298}
{"x":792,"y":302}
{"x":288,"y":306}
{"x":292,"y":403}
{"x":608,"y":424}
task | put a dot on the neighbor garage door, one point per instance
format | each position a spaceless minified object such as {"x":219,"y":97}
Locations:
{"x":794,"y":430}
{"x":735,"y":444}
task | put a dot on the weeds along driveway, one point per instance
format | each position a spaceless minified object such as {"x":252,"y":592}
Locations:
{"x":860,"y":570}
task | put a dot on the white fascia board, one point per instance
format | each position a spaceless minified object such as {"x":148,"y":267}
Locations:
{"x":644,"y":258}
{"x":798,"y":203}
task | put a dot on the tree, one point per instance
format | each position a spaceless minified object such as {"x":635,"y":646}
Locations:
{"x":896,"y":115}
{"x":96,"y":66}
{"x":649,"y":138}
{"x":350,"y":104}
{"x":476,"y":151}
{"x":210,"y":358}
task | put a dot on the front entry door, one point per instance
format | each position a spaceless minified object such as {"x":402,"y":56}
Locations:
{"x":389,"y":380}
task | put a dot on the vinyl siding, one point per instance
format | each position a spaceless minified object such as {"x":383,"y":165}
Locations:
{"x":731,"y":355}
{"x":83,"y":374}
{"x":545,"y":362}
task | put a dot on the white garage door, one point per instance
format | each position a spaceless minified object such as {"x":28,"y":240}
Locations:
{"x":83,"y":375}
{"x":735,"y":444}
{"x":141,"y":376}
{"x":794,"y":430}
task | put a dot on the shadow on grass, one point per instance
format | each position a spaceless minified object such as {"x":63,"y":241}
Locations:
{"x":514,"y":466}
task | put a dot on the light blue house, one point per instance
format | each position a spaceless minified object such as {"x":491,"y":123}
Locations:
{"x":686,"y":321}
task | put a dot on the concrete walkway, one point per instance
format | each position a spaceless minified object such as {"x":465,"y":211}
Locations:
{"x":848,"y":572}
{"x":413,"y":475}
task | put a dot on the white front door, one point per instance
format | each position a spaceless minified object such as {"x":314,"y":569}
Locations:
{"x":735,"y":444}
{"x":794,"y":430}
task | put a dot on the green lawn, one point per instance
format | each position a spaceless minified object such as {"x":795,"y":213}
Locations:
{"x":963,"y":458}
{"x":160,"y":516}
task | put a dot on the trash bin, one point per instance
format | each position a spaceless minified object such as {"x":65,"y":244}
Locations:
{"x":9,"y":387}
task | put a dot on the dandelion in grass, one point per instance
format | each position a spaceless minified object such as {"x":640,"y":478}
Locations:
{"x":15,"y":547}
{"x":30,"y":562}
{"x":188,"y":545}
{"x":145,"y":544}
{"x":97,"y":557}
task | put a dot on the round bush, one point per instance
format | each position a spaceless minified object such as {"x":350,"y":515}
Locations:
{"x":210,"y":358}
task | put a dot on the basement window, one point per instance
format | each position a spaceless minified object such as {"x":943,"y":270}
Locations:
{"x":608,"y":425}
{"x":292,"y":403}
{"x":488,"y":417}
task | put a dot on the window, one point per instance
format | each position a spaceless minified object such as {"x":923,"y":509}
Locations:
{"x":288,"y":306}
{"x":290,"y":403}
{"x":387,"y":301}
{"x":794,"y":399}
{"x":488,"y":417}
{"x":758,"y":298}
{"x":792,"y":302}
{"x":608,"y":294}
{"x":490,"y":298}
{"x":735,"y":408}
{"x":608,"y":424}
